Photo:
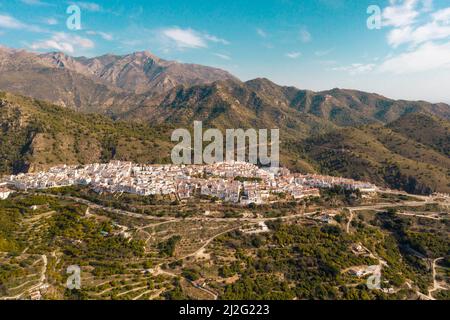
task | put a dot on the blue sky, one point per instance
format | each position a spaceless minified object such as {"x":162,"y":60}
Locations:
{"x":311,"y":44}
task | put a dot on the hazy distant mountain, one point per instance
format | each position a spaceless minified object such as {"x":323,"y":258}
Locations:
{"x":229,"y":104}
{"x":344,"y":107}
{"x":107,"y":84}
{"x":262,"y":102}
{"x":142,"y":72}
{"x":46,"y":78}
{"x":154,"y":89}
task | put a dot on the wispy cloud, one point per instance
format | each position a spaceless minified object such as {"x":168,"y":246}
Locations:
{"x":400,"y":14}
{"x":261,"y":33}
{"x":424,"y":32}
{"x":216,"y":39}
{"x":51,"y":21}
{"x":222,"y":56}
{"x":104,"y":35}
{"x":35,"y":2}
{"x":305,"y":35}
{"x":9,"y":22}
{"x":322,"y":53}
{"x":188,"y":38}
{"x":89,"y":6}
{"x":356,"y":68}
{"x":64,"y":42}
{"x":185,"y":38}
{"x":437,"y":28}
{"x":293,"y":55}
{"x":427,"y":57}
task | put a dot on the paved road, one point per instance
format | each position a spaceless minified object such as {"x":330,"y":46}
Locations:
{"x":165,"y":220}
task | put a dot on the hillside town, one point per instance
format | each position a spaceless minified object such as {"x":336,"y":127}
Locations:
{"x":235,"y":182}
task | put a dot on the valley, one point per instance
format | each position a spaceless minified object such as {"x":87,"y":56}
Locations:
{"x":198,"y":250}
{"x":87,"y":180}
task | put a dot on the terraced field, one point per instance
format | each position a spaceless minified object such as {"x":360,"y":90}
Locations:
{"x":219,"y":252}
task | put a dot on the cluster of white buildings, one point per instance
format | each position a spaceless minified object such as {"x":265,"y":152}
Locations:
{"x":320,"y":181}
{"x":229,"y":181}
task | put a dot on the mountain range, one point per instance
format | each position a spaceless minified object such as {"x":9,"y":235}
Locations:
{"x":102,"y":84}
{"x":138,"y":97}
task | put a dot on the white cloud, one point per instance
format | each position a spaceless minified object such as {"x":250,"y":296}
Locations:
{"x":401,"y":13}
{"x":293,"y":55}
{"x":427,"y":5}
{"x":438,"y":28}
{"x":185,"y":38}
{"x":51,"y":21}
{"x":400,"y":35}
{"x":89,"y":6}
{"x":322,"y":53}
{"x":35,"y":2}
{"x":261,"y":33}
{"x":104,"y":35}
{"x":189,"y":38}
{"x":222,"y":56}
{"x":9,"y":22}
{"x":216,"y":39}
{"x":356,"y":68}
{"x":425,"y":33}
{"x":64,"y":42}
{"x":428,"y":56}
{"x":442,"y":16}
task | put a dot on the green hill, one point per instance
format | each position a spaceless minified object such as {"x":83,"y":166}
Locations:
{"x":377,"y":153}
{"x":36,"y":135}
{"x":426,"y":129}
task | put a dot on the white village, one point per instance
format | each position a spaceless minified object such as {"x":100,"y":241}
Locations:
{"x":235,"y":182}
